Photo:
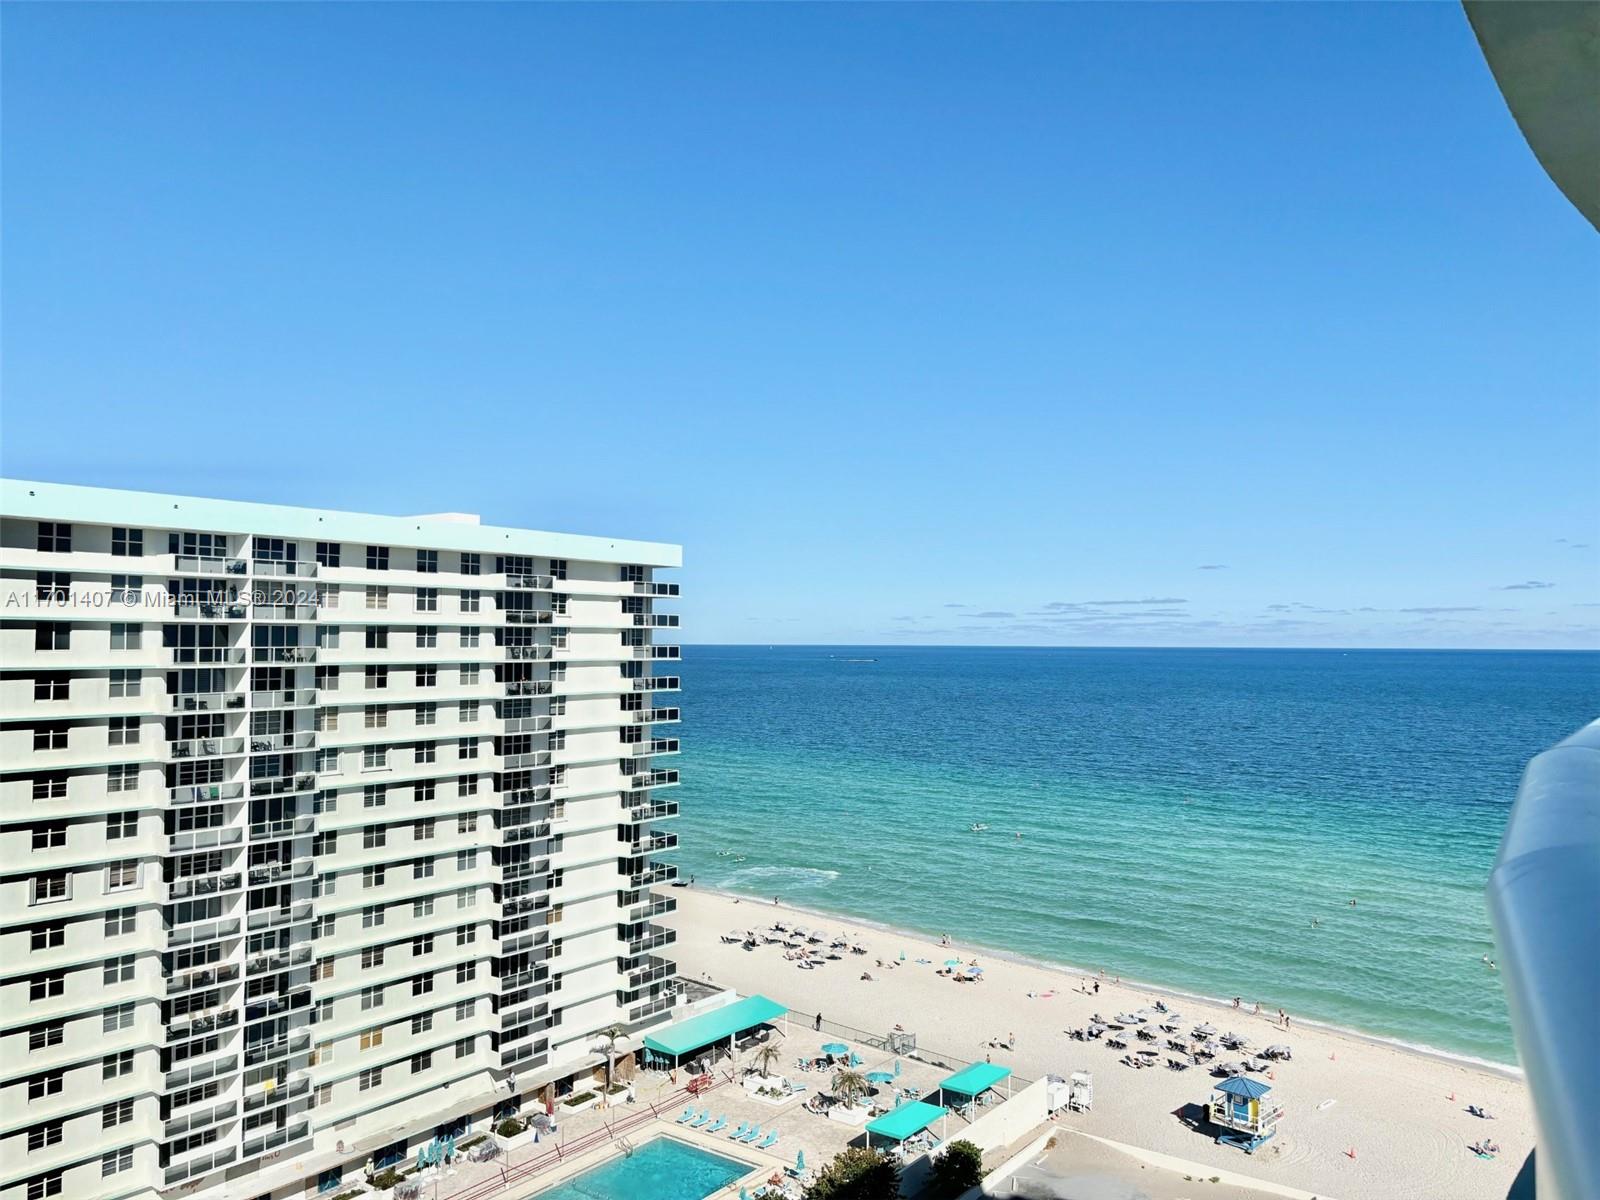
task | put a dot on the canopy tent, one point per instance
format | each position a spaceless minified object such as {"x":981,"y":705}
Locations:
{"x":682,"y":1038}
{"x":975,"y":1080}
{"x":909,"y":1119}
{"x":1244,"y":1088}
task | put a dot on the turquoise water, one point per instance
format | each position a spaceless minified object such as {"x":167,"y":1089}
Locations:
{"x":663,"y":1169}
{"x":1186,"y":814}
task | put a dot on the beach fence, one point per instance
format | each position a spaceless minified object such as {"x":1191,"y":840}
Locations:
{"x":801,"y":1023}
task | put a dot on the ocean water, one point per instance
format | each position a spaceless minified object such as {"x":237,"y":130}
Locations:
{"x":1185,"y":815}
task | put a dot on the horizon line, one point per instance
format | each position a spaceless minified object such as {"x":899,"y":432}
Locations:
{"x":1070,"y":646}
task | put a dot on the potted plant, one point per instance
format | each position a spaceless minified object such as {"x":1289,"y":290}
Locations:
{"x":850,"y":1086}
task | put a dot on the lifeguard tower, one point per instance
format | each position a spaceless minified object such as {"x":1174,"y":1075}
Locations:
{"x":1240,"y":1108}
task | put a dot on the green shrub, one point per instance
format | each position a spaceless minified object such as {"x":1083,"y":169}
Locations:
{"x":509,"y":1128}
{"x":959,"y":1168}
{"x":857,"y":1174}
{"x":580,"y":1098}
{"x":386,"y":1178}
{"x":470,"y":1142}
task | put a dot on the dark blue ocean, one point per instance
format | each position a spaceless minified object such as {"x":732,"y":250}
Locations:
{"x":1185,"y":815}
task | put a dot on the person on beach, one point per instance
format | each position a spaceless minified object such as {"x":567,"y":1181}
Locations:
{"x":1237,"y":1002}
{"x":819,"y":1023}
{"x":1096,"y":987}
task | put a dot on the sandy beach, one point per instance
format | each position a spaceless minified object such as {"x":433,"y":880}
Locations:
{"x":1365,"y":1120}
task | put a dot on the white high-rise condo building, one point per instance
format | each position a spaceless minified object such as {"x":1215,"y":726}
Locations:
{"x":321,"y":834}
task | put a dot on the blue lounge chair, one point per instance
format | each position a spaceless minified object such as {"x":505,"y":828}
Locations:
{"x":705,"y":1115}
{"x":683,"y":1117}
{"x":744,"y":1128}
{"x":718,"y":1125}
{"x":755,"y":1132}
{"x":770,"y":1140}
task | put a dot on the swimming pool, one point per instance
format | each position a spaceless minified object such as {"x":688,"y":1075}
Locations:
{"x":661,"y":1169}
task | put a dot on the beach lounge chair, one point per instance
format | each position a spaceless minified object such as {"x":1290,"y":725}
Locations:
{"x":770,"y":1140}
{"x":744,"y":1128}
{"x":685,"y":1115}
{"x":755,"y":1132}
{"x":718,"y":1125}
{"x":705,"y":1116}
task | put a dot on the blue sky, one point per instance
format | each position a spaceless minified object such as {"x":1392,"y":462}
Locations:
{"x":1205,"y":325}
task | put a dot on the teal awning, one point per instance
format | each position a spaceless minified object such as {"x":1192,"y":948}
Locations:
{"x":685,"y":1037}
{"x":979,"y":1077}
{"x":911,"y":1117}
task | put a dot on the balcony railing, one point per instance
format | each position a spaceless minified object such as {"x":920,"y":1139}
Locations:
{"x":529,"y":616}
{"x":527,"y":724}
{"x":279,"y":872}
{"x":286,"y":698}
{"x":661,"y":1004}
{"x":202,"y":1165}
{"x":271,"y":918}
{"x":208,"y":931}
{"x":283,"y":612}
{"x":528,"y":687}
{"x":656,"y":620}
{"x":208,"y":611}
{"x":203,"y":885}
{"x":206,"y":564}
{"x":657,"y":652}
{"x":206,"y":701}
{"x":656,"y":683}
{"x":654,"y":844}
{"x":184,"y":1028}
{"x":286,"y":827}
{"x":656,"y":810}
{"x":215,"y":976}
{"x":207,"y":654}
{"x":651,"y":716}
{"x":644,"y":976}
{"x":205,"y":747}
{"x":273,"y":1140}
{"x":655,"y":873}
{"x":201,"y":1070}
{"x":292,"y":1090}
{"x":517,"y":762}
{"x":305,"y":781}
{"x":657,"y":907}
{"x":205,"y":792}
{"x":654,"y":779}
{"x":652,"y":939}
{"x":280,"y":568}
{"x":527,"y":653}
{"x":199,"y":839}
{"x":284,"y":654}
{"x":278,"y":742}
{"x":650,"y":588}
{"x":539,"y":583}
{"x":661,"y":746}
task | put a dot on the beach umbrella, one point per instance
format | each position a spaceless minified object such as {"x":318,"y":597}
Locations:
{"x":897,"y":1068}
{"x":1205,"y":1031}
{"x":744,"y":1194}
{"x":799,"y":1162}
{"x":880,"y":1076}
{"x":835,"y":1048}
{"x":952,"y":962}
{"x":974,"y":970}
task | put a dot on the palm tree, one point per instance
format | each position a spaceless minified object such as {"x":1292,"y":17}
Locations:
{"x":850,"y":1086}
{"x":765,"y":1057}
{"x":612,"y":1035}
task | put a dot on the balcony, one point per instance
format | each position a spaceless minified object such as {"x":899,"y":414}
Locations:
{"x":283,"y":654}
{"x":527,"y":725}
{"x":538,"y":583}
{"x":518,"y":762}
{"x":306,"y":781}
{"x":656,"y":810}
{"x":525,"y":869}
{"x":203,"y":885}
{"x":282,"y":569}
{"x":526,"y":653}
{"x":183,"y":1028}
{"x":191,"y":609}
{"x":205,"y":793}
{"x":179,"y":1126}
{"x":652,"y":971}
{"x":655,"y":620}
{"x":281,"y":961}
{"x":654,"y":779}
{"x":200,"y":839}
{"x":528,"y":616}
{"x":261,"y":743}
{"x":283,"y":612}
{"x":653,"y":874}
{"x":534,"y":832}
{"x":650,"y":588}
{"x":205,"y":747}
{"x":287,"y":698}
{"x":206,"y":701}
{"x":272,"y":918}
{"x":208,"y":977}
{"x":292,"y":1090}
{"x":655,"y":652}
{"x":528,"y":687}
{"x":280,"y":872}
{"x":201,"y":1070}
{"x":652,"y":716}
{"x":652,"y":939}
{"x":287,"y":827}
{"x":206,"y":931}
{"x":203,"y":1165}
{"x":655,"y":843}
{"x":656,"y":683}
{"x":661,"y":1004}
{"x":197,"y":564}
{"x":281,"y":1137}
{"x":660,"y":746}
{"x":658,"y":906}
{"x":186,"y":655}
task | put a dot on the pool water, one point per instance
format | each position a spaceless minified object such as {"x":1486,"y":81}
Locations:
{"x":661,"y":1169}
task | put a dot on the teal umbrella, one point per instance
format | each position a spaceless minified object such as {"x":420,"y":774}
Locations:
{"x":880,"y":1076}
{"x":836,"y":1048}
{"x":799,"y":1162}
{"x":744,"y":1194}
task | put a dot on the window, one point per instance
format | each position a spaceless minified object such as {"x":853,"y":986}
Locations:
{"x":374,"y":836}
{"x":423,"y":791}
{"x":122,"y":874}
{"x":422,"y":868}
{"x":467,"y":785}
{"x":118,"y":1016}
{"x":372,"y":877}
{"x":116,"y":1114}
{"x":51,"y":687}
{"x":427,"y":599}
{"x":124,"y":777}
{"x":125,"y":683}
{"x":469,"y":637}
{"x":466,"y":897}
{"x":327,"y":925}
{"x":464,"y":1047}
{"x":49,"y":837}
{"x":421,"y":1062}
{"x":116,"y":1161}
{"x":377,"y":558}
{"x":377,"y":678}
{"x":51,"y":887}
{"x":632,"y":573}
{"x":114,"y":1066}
{"x":422,"y":908}
{"x":427,"y":713}
{"x":423,"y":831}
{"x":121,"y":825}
{"x":50,"y":737}
{"x":127,"y":543}
{"x":467,"y":823}
{"x":377,"y":637}
{"x":370,"y":1078}
{"x":42,"y":1037}
{"x":374,"y":795}
{"x":377,"y":597}
{"x":372,"y":916}
{"x":466,"y":934}
{"x":422,"y":945}
{"x":55,"y":537}
{"x":376,"y":716}
{"x":125,"y":636}
{"x":47,"y":937}
{"x":327,"y":678}
{"x":427,"y":637}
{"x":469,"y":674}
{"x":327,"y":720}
{"x":372,"y":1037}
{"x":50,"y":787}
{"x":471,"y":565}
{"x":41,"y":1186}
{"x":466,"y":860}
{"x":40,"y":1086}
{"x":120,"y":921}
{"x":426,"y":752}
{"x":421,"y":985}
{"x":328,"y":637}
{"x":421,"y":1023}
{"x":372,"y":997}
{"x":558,"y":568}
{"x":465,"y":972}
{"x":371,"y":956}
{"x":471,"y":600}
{"x":122,"y":731}
{"x":427,"y":677}
{"x":41,"y":1136}
{"x":327,"y":760}
{"x":467,"y":748}
{"x":52,"y":635}
{"x":327,"y":554}
{"x":374,"y":758}
{"x":325,"y":843}
{"x":428,"y":562}
{"x":118,"y":970}
{"x":46,"y":987}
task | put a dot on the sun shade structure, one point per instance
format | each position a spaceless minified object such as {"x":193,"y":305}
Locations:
{"x":1245,"y":1089}
{"x":975,"y":1080}
{"x":683,"y":1038}
{"x":909,"y":1119}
